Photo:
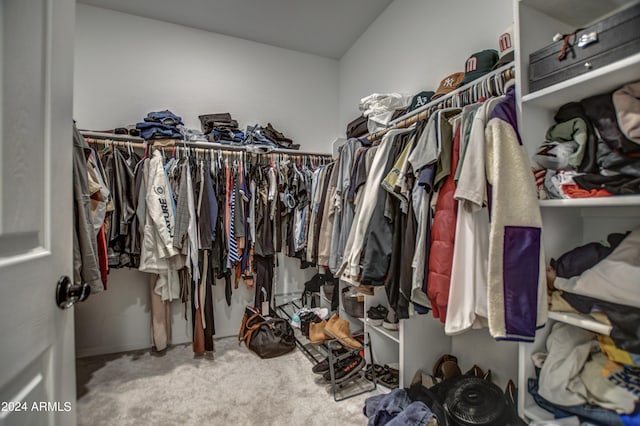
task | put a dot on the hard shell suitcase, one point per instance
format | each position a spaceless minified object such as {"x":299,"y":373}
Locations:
{"x":607,"y":41}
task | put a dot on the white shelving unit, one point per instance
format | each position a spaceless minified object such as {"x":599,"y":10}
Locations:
{"x":617,"y":201}
{"x":418,"y":343}
{"x":567,"y":223}
{"x":581,"y":321}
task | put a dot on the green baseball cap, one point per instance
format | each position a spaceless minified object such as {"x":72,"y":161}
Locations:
{"x":420,"y":99}
{"x":479,"y":64}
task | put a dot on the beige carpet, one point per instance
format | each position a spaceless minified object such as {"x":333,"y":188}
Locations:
{"x":236,"y":388}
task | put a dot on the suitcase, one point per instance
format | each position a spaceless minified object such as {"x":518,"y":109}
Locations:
{"x":606,"y":41}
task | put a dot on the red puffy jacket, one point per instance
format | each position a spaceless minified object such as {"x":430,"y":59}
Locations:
{"x":443,"y":233}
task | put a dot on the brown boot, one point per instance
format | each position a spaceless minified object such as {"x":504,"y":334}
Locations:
{"x":316,"y":332}
{"x":335,"y":317}
{"x":340,"y":330}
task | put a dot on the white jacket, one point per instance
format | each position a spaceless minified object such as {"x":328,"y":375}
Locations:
{"x":158,"y":255}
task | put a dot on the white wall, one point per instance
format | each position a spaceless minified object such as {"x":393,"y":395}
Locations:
{"x":411,"y":47}
{"x":414,"y":44}
{"x":126,"y":66}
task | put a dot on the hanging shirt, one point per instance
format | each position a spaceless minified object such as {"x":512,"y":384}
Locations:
{"x":355,"y":242}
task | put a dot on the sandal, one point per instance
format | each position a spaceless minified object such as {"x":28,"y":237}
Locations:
{"x":372,"y":370}
{"x":390,"y":379}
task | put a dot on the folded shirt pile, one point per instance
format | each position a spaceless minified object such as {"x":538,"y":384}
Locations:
{"x":221,"y":128}
{"x":160,"y":125}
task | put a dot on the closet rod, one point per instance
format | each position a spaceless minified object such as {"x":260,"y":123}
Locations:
{"x":122,"y":143}
{"x":422,"y":113}
{"x":111,"y":136}
{"x":242,"y":148}
{"x":95,"y":137}
{"x":178,"y":147}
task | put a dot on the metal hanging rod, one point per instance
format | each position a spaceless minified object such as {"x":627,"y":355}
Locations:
{"x":253,"y":149}
{"x":122,"y":143}
{"x":110,"y":136}
{"x":211,"y":149}
{"x":423,"y":112}
{"x":201,"y":147}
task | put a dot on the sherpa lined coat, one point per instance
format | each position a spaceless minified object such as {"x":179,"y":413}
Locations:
{"x":517,"y":298}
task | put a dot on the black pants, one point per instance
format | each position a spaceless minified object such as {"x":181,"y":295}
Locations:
{"x":264,"y":281}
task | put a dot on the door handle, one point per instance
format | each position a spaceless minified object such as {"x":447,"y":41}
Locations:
{"x":68,"y":294}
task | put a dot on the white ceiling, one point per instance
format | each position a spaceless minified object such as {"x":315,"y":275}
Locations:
{"x":322,"y":27}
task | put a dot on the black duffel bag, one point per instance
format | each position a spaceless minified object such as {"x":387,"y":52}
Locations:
{"x":268,"y":338}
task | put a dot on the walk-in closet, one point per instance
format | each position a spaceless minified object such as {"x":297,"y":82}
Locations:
{"x":345,"y":212}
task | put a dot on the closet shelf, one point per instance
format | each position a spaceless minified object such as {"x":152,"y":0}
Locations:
{"x":391,"y":334}
{"x":349,"y":281}
{"x":534,"y":412}
{"x":613,"y":201}
{"x":582,"y":321}
{"x":585,"y":85}
{"x":576,"y":13}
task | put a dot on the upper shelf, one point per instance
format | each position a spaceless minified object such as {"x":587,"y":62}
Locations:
{"x":576,"y":13}
{"x":600,"y":80}
{"x":581,"y":321}
{"x":613,"y":201}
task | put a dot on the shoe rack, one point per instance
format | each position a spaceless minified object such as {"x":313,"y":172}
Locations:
{"x":356,"y":383}
{"x":417,"y":344}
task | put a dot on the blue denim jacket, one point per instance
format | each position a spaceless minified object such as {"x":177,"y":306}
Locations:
{"x":395,"y":408}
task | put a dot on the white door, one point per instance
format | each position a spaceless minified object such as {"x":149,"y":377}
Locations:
{"x":37,"y":355}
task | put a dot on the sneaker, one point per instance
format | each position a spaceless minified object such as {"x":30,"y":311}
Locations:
{"x":295,"y":320}
{"x":346,"y":368}
{"x":323,"y":366}
{"x":322,"y":313}
{"x":376,"y":315}
{"x":391,"y":321}
{"x":306,"y":319}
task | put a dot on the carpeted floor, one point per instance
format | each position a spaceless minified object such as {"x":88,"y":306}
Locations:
{"x":236,"y":388}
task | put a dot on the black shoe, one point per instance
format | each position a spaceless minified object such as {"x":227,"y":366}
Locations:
{"x":376,"y":315}
{"x":323,"y":366}
{"x":346,"y":368}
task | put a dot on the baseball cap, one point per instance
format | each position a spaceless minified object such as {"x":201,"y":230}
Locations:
{"x":448,"y":84}
{"x":420,"y":99}
{"x":505,"y":46}
{"x":479,"y":64}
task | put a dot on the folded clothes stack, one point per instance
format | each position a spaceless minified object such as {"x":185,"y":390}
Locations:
{"x":258,"y":135}
{"x":160,"y":125}
{"x":221,"y":128}
{"x":593,"y":149}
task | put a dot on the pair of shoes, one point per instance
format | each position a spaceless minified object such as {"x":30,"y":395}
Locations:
{"x":323,"y":366}
{"x":390,"y":377}
{"x":374,"y":370}
{"x":319,"y":332}
{"x":478,"y":372}
{"x":335,"y":328}
{"x":391,"y":321}
{"x":338,"y":328}
{"x":346,"y":368}
{"x":376,"y":315}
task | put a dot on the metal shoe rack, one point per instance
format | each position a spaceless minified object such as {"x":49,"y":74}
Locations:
{"x":357,"y":384}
